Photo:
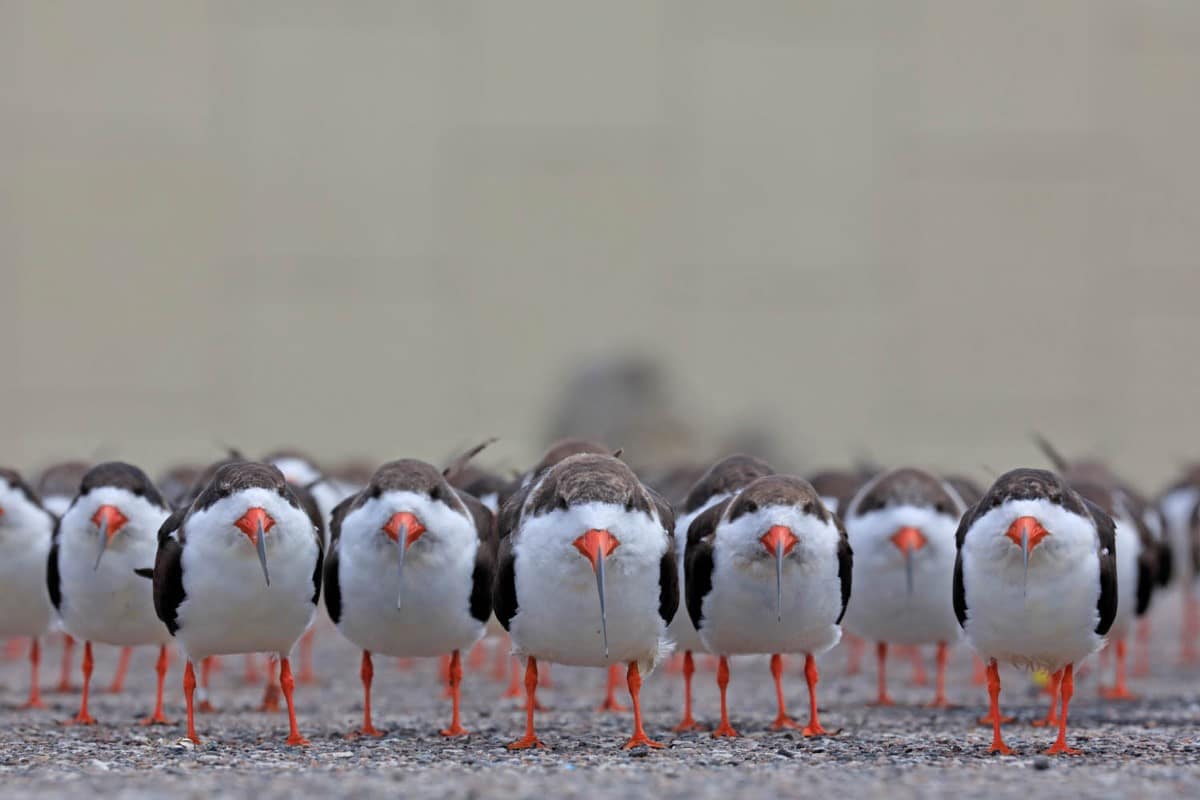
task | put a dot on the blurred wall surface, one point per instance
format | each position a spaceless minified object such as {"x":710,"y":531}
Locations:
{"x":912,"y":230}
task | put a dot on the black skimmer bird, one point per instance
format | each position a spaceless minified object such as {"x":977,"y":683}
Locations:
{"x":410,"y":572}
{"x":1178,"y":506}
{"x":587,"y":575}
{"x":1137,"y":573}
{"x":102,"y":553}
{"x":718,"y":483}
{"x":1035,"y":583}
{"x":26,"y":530}
{"x":240,"y":572}
{"x":901,"y":526}
{"x":769,"y":571}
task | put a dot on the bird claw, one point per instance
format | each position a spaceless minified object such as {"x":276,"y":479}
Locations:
{"x":640,"y":739}
{"x":155,"y":719}
{"x":1001,"y":748}
{"x":1061,"y":748}
{"x":454,"y":730}
{"x":81,"y":719}
{"x":817,"y":730}
{"x":366,"y":730}
{"x":296,"y":740}
{"x":724,"y":731}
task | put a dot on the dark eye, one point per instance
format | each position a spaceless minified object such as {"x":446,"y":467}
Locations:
{"x":139,"y":492}
{"x":376,"y":492}
{"x":561,"y":503}
{"x":435,"y":494}
{"x":750,"y":507}
{"x":283,"y":491}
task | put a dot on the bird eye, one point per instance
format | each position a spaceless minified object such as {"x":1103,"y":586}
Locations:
{"x":376,"y":492}
{"x":561,"y":503}
{"x":282,"y":491}
{"x":435,"y":494}
{"x":751,"y":507}
{"x":139,"y":492}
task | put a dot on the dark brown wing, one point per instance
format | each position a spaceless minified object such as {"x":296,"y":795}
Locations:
{"x":168,"y":571}
{"x":484,"y":575}
{"x":504,"y":590}
{"x":1107,"y":531}
{"x":333,"y":588}
{"x":668,"y":570}
{"x":698,"y":560}
{"x":845,"y":564}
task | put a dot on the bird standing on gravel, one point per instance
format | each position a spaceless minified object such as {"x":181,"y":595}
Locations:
{"x":720,"y":482}
{"x":410,"y":571}
{"x":239,"y":572}
{"x":587,"y":575}
{"x":1035,"y":583}
{"x":901,"y":526}
{"x":26,"y":529}
{"x":769,"y":571}
{"x":102,"y":554}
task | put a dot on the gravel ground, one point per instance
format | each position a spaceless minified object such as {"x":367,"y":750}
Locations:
{"x":1140,"y":747}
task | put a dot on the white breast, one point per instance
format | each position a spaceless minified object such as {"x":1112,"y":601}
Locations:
{"x":25,"y":532}
{"x":1048,"y":621}
{"x":110,"y":604}
{"x":228,"y":607}
{"x":1129,"y":549}
{"x":434,"y":617}
{"x":740,"y":614}
{"x":558,"y":616}
{"x":881,"y":607}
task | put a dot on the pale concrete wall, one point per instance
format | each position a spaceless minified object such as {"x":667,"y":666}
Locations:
{"x":913,"y":229}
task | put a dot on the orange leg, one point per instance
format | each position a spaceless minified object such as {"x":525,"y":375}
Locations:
{"x":478,"y":658}
{"x":530,"y":738}
{"x":639,"y":738}
{"x":83,"y":717}
{"x":308,"y":674}
{"x":250,"y":673}
{"x":854,"y":653}
{"x":1066,"y":687}
{"x":610,"y":693}
{"x":881,"y":650}
{"x":445,"y":670}
{"x":289,"y":686}
{"x":206,"y":667}
{"x":1052,"y":688}
{"x":724,"y":729}
{"x":157,"y":718}
{"x":514,"y":685}
{"x":64,"y":675}
{"x":993,"y":684}
{"x":782,"y":720}
{"x":118,"y":683}
{"x":943,"y":655}
{"x":689,"y":668}
{"x":1119,"y":691}
{"x":813,"y":728}
{"x":189,"y":690}
{"x":979,"y":676}
{"x":919,"y":676}
{"x":270,"y":700}
{"x":455,"y":682}
{"x":367,"y":673}
{"x":1141,"y":665}
{"x":35,"y":658}
{"x":500,"y":660}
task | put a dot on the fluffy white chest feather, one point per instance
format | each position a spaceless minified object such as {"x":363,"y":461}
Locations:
{"x":110,"y":603}
{"x":1047,"y":620}
{"x":558,"y":608}
{"x":1129,"y":548}
{"x":741,"y":614}
{"x":882,"y":608}
{"x":434,"y":614}
{"x":1177,"y":509}
{"x":25,"y":533}
{"x":228,"y":606}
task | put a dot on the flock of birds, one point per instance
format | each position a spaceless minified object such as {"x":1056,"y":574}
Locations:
{"x":581,"y":562}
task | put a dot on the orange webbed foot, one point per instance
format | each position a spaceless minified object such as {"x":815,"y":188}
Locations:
{"x":155,"y":719}
{"x":611,"y":706}
{"x":725,"y":730}
{"x":817,"y":730}
{"x":1001,"y":748}
{"x":32,"y":704}
{"x":454,"y":730}
{"x":296,"y":740}
{"x":525,"y":743}
{"x":1061,"y":748}
{"x":989,"y":720}
{"x":366,"y":730}
{"x":689,"y":724}
{"x":206,"y":707}
{"x":783,"y":722}
{"x":641,"y":740}
{"x":80,"y":719}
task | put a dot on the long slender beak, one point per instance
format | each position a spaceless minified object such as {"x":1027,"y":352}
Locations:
{"x":908,"y":540}
{"x":401,"y":549}
{"x":109,"y":520}
{"x":255,"y":523}
{"x":403,"y":528}
{"x":1027,"y":533}
{"x":103,"y":542}
{"x":779,"y":541}
{"x":260,"y":544}
{"x":596,"y":545}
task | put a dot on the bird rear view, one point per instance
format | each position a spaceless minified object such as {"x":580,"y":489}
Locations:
{"x":239,"y":572}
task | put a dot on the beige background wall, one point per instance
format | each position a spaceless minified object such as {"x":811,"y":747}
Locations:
{"x":915,"y":229}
